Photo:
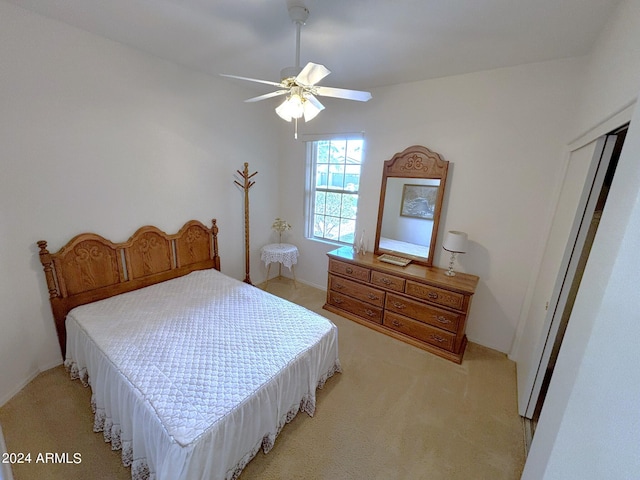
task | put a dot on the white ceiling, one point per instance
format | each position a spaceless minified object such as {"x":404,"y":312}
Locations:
{"x":365,"y":43}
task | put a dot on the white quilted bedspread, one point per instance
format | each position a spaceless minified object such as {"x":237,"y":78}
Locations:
{"x":192,"y":376}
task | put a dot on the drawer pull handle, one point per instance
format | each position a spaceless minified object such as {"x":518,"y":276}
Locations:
{"x":399,"y":305}
{"x":369,"y":313}
{"x":432,"y":295}
{"x":441,"y":319}
{"x":337,"y":300}
{"x":371,"y":296}
{"x":339,"y":286}
{"x":386,"y":281}
{"x":437,"y":338}
{"x":396,"y":323}
{"x":349,"y":270}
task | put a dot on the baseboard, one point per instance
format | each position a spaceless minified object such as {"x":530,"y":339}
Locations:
{"x":5,"y":398}
{"x":529,"y":429}
{"x":304,"y":282}
{"x":50,"y":365}
{"x":319,"y":287}
{"x":43,"y":368}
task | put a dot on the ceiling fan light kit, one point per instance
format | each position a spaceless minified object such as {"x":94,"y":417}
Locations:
{"x":297,"y":105}
{"x":300,"y":85}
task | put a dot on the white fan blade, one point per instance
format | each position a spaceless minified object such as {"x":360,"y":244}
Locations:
{"x":312,"y":107}
{"x":314,"y":101}
{"x":266,"y":82}
{"x":267,"y":95}
{"x":312,"y":73}
{"x":343,"y":93}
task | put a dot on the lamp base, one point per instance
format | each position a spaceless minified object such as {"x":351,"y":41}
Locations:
{"x":452,"y":259}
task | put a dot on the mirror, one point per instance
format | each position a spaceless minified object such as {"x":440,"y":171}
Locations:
{"x":411,"y":195}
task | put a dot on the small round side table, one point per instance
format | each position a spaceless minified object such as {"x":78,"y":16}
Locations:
{"x":282,"y":253}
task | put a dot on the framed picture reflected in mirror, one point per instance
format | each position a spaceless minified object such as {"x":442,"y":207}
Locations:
{"x":418,"y":201}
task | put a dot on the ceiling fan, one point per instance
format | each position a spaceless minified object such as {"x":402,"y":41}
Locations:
{"x":300,"y":85}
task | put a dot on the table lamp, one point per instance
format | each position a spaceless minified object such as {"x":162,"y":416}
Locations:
{"x":454,"y":242}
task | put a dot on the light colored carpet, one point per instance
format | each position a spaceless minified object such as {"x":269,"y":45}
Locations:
{"x":396,"y":412}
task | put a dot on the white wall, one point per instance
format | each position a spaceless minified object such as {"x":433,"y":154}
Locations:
{"x":589,"y":427}
{"x":613,"y":75}
{"x":98,"y":137}
{"x":121,"y":129}
{"x":503,"y":132}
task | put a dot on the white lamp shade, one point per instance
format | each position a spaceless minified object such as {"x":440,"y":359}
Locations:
{"x":291,"y":108}
{"x":312,"y":107}
{"x":455,"y":242}
{"x":283,"y":111}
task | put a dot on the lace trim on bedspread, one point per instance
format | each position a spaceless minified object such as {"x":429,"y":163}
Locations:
{"x":111,"y":432}
{"x":139,"y":467}
{"x":75,"y":373}
{"x":337,"y":368}
{"x":307,"y":404}
{"x":140,"y":470}
{"x":127,"y":453}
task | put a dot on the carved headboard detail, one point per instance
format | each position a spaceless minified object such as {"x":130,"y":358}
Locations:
{"x":91,"y":268}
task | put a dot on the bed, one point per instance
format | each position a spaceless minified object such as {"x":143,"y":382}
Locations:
{"x":192,"y":372}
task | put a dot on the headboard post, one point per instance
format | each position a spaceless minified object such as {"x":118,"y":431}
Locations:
{"x":47,"y":264}
{"x":216,"y":257}
{"x":55,"y":298}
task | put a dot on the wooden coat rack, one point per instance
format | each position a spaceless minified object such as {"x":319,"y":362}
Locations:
{"x":246,"y":186}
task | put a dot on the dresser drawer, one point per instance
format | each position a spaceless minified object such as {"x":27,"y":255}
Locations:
{"x":357,"y":290}
{"x":361,"y":309}
{"x":425,"y":313}
{"x":419,"y":330}
{"x":435,"y":295}
{"x":349,"y":270}
{"x":387,"y":281}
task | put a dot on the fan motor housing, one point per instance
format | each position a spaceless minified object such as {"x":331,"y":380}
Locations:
{"x":290,"y":72}
{"x":298,"y":14}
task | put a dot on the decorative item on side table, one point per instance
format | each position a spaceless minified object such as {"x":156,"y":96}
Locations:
{"x":280,"y":225}
{"x":454,"y":242}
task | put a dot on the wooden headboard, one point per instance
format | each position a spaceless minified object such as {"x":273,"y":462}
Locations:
{"x":91,"y":268}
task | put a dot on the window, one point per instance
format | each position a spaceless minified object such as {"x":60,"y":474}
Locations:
{"x":333,"y":167}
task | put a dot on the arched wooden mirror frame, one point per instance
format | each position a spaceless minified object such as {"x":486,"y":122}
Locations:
{"x":407,"y":174}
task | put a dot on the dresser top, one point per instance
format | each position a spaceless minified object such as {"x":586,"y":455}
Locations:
{"x":462,"y":282}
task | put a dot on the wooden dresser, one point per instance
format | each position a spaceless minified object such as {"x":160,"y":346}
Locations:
{"x":416,"y":304}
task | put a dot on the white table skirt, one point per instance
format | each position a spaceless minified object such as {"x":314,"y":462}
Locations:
{"x":283,"y":253}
